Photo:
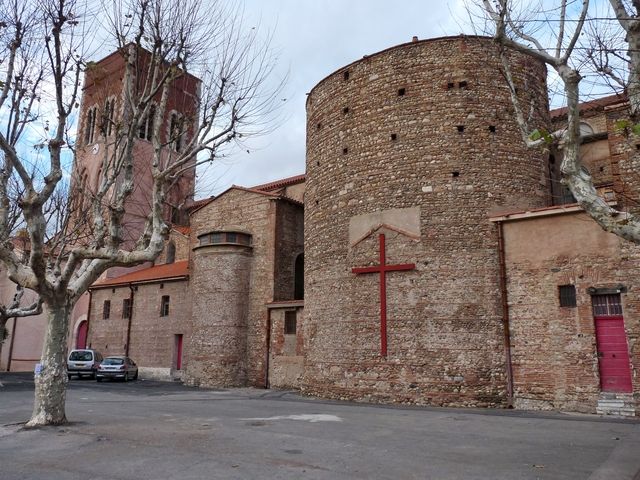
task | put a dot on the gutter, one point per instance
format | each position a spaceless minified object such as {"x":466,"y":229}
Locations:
{"x":88,"y":320}
{"x":505,"y":314}
{"x":130,"y":316}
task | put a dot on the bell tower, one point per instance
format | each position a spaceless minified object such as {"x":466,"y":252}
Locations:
{"x":100,"y":118}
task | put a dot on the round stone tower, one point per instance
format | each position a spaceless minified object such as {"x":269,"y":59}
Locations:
{"x":409,"y":151}
{"x":221,"y":269}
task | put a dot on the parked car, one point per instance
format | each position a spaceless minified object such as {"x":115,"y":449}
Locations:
{"x":117,"y":367}
{"x":83,"y":362}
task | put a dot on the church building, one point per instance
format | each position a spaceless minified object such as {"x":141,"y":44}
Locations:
{"x":425,"y":257}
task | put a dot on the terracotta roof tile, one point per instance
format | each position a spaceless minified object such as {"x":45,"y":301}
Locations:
{"x":283,"y":182}
{"x":590,"y":105}
{"x":157,"y":272}
{"x":184,"y":230}
{"x":200,"y":203}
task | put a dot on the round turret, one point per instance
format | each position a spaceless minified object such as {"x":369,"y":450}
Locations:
{"x":418,"y":143}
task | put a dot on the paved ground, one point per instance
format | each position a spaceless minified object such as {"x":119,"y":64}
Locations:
{"x":155,"y":430}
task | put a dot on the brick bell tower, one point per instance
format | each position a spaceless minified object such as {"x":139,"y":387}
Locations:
{"x":99,"y":119}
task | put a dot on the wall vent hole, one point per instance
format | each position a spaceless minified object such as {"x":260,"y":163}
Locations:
{"x":460,"y":128}
{"x":394,"y":137}
{"x":318,"y":163}
{"x":319,"y":126}
{"x":401,"y":92}
{"x":345,"y":110}
{"x":450,"y":85}
{"x":462,"y":84}
{"x":346,"y":75}
{"x":455,"y":174}
{"x":345,"y":150}
{"x":492,"y":128}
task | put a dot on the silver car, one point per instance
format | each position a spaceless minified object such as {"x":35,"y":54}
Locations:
{"x":117,"y":367}
{"x":83,"y":362}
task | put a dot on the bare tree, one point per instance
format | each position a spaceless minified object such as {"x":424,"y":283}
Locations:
{"x":558,"y":37}
{"x":42,"y":61}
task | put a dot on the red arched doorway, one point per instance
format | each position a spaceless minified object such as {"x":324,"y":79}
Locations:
{"x":81,"y":338}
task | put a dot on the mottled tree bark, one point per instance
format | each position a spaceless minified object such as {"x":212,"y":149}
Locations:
{"x":51,"y":381}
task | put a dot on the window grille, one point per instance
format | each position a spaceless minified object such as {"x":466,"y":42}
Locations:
{"x":106,"y":309}
{"x":164,"y":306}
{"x":567,"y":295}
{"x":126,"y":308}
{"x":237,"y":238}
{"x":606,"y":305}
{"x":289,"y":323}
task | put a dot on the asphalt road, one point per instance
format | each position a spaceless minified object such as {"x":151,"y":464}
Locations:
{"x":156,"y":430}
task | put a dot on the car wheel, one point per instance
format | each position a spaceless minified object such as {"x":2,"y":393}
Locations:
{"x":98,"y":379}
{"x":135,"y":376}
{"x":126,"y":377}
{"x":69,"y":376}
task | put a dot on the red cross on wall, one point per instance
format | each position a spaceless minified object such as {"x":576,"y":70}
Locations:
{"x":382,"y":269}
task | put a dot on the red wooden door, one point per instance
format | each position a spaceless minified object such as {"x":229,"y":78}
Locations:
{"x":178,"y":352}
{"x":81,"y":339}
{"x":611,"y":340}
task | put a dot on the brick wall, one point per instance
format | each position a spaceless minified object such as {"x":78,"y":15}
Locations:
{"x":555,"y":361}
{"x":152,"y":338}
{"x":286,"y":351}
{"x":382,"y":134}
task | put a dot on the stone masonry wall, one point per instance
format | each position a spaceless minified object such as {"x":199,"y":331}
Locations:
{"x":286,"y":351}
{"x":255,"y":214}
{"x":423,"y":127}
{"x":555,"y":362}
{"x":152,"y":338}
{"x":290,"y":244}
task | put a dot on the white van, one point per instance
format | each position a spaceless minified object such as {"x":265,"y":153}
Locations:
{"x":83,"y":362}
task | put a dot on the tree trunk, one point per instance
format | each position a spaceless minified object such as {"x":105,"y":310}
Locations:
{"x":51,"y":381}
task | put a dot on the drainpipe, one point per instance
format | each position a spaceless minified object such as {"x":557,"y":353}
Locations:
{"x":266,"y":372}
{"x":13,"y":336}
{"x":87,"y":343}
{"x":126,"y":349}
{"x":505,"y":315}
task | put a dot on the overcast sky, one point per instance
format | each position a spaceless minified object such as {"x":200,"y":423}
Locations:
{"x":315,"y":38}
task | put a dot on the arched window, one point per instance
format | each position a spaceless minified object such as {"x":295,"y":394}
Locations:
{"x":107,"y":117}
{"x":176,"y":131}
{"x":146,"y":129}
{"x":298,"y":278}
{"x":90,"y":125}
{"x":585,"y":129}
{"x":171,"y":252}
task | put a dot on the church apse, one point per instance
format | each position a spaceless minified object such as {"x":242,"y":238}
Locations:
{"x":408,"y":152}
{"x":220,"y":290}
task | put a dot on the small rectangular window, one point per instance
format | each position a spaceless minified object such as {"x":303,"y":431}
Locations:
{"x":567,"y":295}
{"x":106,"y":309}
{"x":289,"y":323}
{"x":126,"y":308}
{"x":232,"y":237}
{"x":164,"y":306}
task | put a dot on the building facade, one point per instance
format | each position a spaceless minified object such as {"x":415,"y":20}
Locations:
{"x":427,"y":257}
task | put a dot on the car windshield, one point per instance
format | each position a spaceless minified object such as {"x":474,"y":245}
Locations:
{"x":113,"y":361}
{"x":81,"y":356}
